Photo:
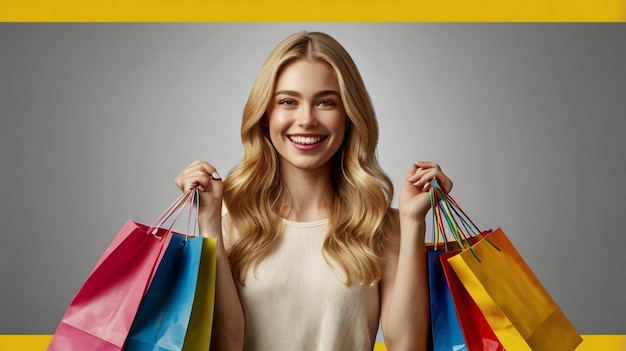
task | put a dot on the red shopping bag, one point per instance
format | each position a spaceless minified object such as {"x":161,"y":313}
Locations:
{"x":477,"y":333}
{"x":102,"y":312}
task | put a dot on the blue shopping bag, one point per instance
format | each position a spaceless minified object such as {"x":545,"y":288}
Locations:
{"x":446,"y":330}
{"x":163,"y":317}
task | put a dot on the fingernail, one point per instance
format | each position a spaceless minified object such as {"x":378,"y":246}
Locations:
{"x":215,"y":176}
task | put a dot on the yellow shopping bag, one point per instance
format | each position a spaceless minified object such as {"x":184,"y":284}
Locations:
{"x":198,"y":335}
{"x":516,"y":305}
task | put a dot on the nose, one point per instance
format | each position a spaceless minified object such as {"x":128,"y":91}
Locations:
{"x":306,"y":117}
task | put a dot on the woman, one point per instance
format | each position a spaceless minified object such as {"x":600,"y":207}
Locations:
{"x":310,"y":254}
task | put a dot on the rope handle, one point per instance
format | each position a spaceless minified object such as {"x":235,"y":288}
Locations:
{"x":448,"y":214}
{"x":189,"y":199}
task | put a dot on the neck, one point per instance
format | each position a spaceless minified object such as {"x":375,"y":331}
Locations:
{"x":307,"y":193}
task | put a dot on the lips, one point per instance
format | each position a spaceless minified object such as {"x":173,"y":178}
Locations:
{"x":307,"y":140}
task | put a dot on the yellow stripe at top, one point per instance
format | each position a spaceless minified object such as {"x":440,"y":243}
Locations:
{"x":312,"y":11}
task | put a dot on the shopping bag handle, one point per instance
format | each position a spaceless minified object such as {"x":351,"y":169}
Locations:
{"x":443,"y":212}
{"x":195,"y":203}
{"x":453,"y":214}
{"x":446,"y":210}
{"x":176,"y":205}
{"x":190,"y":198}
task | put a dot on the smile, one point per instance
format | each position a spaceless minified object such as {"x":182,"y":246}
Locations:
{"x":307,"y":140}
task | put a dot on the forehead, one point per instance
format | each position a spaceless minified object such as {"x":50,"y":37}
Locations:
{"x":303,"y":75}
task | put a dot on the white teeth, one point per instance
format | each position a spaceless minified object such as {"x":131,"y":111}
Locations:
{"x":305,"y":140}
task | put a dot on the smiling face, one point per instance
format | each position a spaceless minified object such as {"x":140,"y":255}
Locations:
{"x":306,"y":117}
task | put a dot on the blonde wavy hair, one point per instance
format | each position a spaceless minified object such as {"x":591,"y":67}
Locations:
{"x":362,"y":191}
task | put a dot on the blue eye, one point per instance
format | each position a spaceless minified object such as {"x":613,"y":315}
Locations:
{"x":286,"y":102}
{"x":327,"y":103}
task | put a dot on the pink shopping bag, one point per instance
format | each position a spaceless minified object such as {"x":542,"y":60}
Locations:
{"x":102,"y":312}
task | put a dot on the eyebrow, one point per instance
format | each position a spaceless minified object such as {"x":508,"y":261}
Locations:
{"x":317,"y":95}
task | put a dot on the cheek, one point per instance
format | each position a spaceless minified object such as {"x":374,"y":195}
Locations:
{"x":278,"y":118}
{"x":339,"y":124}
{"x":275,"y":122}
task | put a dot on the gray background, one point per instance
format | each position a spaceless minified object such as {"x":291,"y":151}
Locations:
{"x":528,"y":120}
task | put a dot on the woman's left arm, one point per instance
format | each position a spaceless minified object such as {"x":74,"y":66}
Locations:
{"x":404,"y":292}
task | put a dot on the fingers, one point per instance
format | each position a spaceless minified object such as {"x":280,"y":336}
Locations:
{"x":421,"y":173}
{"x":427,"y":164}
{"x":199,"y":173}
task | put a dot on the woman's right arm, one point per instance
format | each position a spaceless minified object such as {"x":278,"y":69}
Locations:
{"x":228,"y":321}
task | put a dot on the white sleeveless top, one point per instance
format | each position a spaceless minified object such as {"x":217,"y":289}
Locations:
{"x":295,"y":301}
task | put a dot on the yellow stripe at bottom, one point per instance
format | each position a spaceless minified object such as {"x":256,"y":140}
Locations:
{"x":40,"y":343}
